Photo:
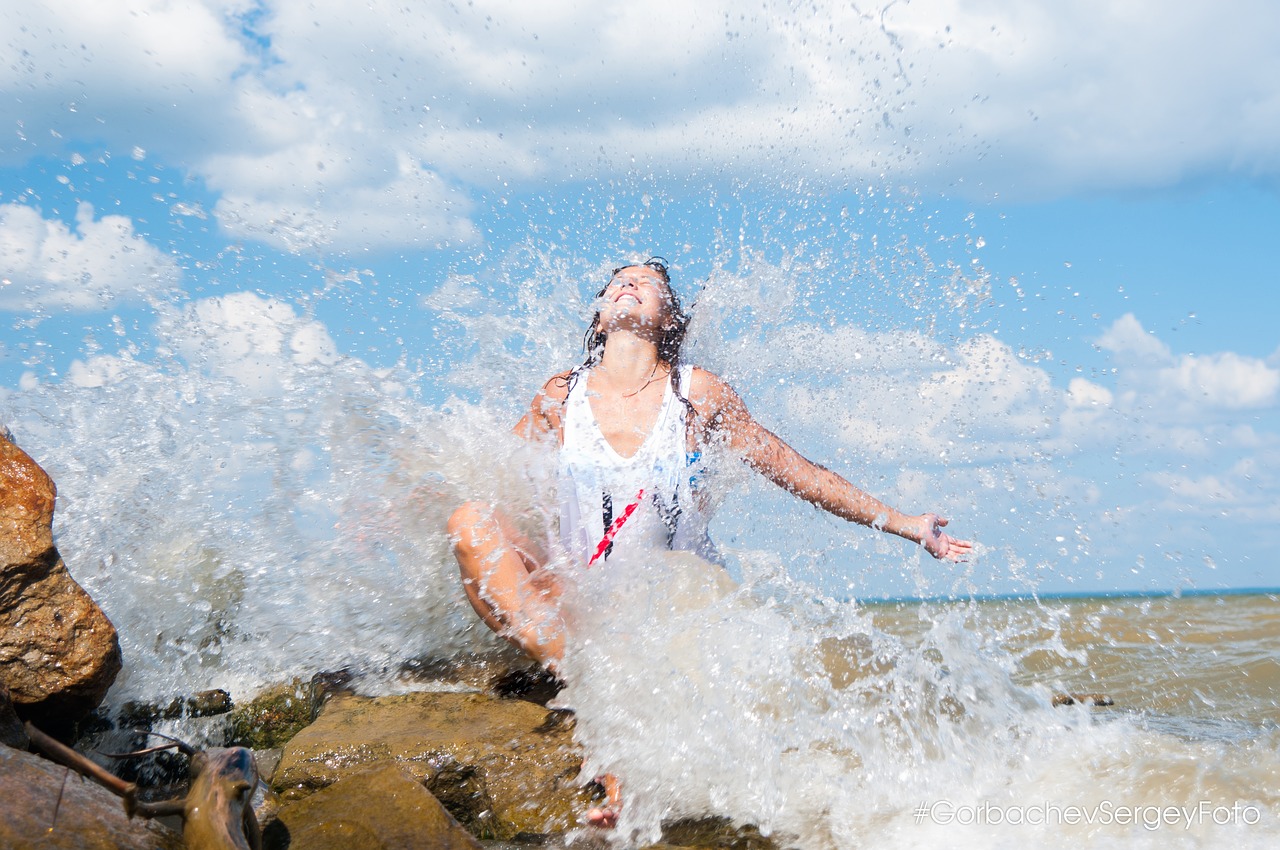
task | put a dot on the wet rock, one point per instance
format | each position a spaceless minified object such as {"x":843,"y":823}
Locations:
{"x":714,"y":832}
{"x":202,"y":704}
{"x":503,"y":768}
{"x":46,"y":805}
{"x":11,"y":732}
{"x":268,"y":761}
{"x":58,"y":652}
{"x":538,"y":686}
{"x":375,"y":808}
{"x":1095,"y":700}
{"x":504,"y":672}
{"x":472,"y":670}
{"x":270,"y":719}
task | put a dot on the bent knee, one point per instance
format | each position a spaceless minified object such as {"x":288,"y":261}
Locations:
{"x":469,"y":522}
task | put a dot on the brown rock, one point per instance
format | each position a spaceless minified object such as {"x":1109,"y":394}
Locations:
{"x":377,"y":808}
{"x":501,"y":767}
{"x":58,"y":652}
{"x":26,"y":506}
{"x":46,"y":805}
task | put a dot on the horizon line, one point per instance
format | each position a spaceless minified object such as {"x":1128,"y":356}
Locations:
{"x":1072,"y":595}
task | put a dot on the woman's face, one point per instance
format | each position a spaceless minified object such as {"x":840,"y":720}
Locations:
{"x":636,"y":297}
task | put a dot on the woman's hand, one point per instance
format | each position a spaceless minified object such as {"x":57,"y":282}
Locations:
{"x":941,"y":545}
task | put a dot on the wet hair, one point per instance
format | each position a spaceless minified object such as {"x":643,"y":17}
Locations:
{"x":669,"y":343}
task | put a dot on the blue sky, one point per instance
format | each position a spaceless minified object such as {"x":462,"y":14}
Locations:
{"x":1075,"y":203}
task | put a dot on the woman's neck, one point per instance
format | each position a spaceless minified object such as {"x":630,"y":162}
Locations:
{"x":630,"y":360}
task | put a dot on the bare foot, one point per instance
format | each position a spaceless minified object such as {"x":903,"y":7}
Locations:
{"x":606,"y":816}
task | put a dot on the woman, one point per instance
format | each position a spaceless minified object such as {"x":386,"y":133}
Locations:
{"x":630,"y":425}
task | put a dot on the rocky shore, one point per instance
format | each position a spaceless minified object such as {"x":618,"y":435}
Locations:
{"x":470,"y":757}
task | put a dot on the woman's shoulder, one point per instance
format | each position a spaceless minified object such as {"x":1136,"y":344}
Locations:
{"x":704,"y":381}
{"x":708,"y":391}
{"x":557,"y":386}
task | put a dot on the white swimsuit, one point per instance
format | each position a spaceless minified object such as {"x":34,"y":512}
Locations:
{"x":597,"y":485}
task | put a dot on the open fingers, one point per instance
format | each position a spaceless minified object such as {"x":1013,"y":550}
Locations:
{"x":956,"y":549}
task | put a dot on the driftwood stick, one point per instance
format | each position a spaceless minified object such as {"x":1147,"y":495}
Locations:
{"x":64,"y":755}
{"x":176,"y":806}
{"x":183,"y":747}
{"x":148,"y":751}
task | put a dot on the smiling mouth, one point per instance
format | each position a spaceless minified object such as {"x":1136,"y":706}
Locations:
{"x":626,"y":295}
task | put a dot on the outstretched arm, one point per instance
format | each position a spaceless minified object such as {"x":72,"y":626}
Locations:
{"x":724,"y":412}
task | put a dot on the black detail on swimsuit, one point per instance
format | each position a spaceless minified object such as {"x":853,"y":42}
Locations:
{"x":670,"y":514}
{"x":606,"y":510}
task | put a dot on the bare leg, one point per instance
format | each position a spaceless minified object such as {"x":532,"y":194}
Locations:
{"x":505,"y":584}
{"x":503,"y":578}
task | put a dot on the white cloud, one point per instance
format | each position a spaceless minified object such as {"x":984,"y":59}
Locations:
{"x":1157,"y":379}
{"x":99,"y":371}
{"x":1127,"y":336}
{"x":973,"y":429}
{"x":990,"y":386}
{"x":159,"y":74}
{"x":1069,"y":98}
{"x":256,"y":342}
{"x":412,"y":110}
{"x":1083,"y":393}
{"x":44,"y":264}
{"x":412,"y":208}
{"x":904,"y":396}
{"x":1246,"y":488}
{"x":1225,"y":380}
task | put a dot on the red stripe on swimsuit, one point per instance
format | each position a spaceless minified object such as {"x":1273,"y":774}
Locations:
{"x":612,"y":530}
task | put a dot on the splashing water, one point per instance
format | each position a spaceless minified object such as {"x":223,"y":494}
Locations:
{"x":809,"y":718}
{"x":249,"y":505}
{"x":271,"y":509}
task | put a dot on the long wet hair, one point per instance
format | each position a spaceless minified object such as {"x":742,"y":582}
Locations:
{"x":669,"y":343}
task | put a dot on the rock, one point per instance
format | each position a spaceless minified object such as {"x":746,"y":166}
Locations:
{"x":1095,"y":700}
{"x":377,"y":808}
{"x":46,"y":805}
{"x":58,"y":652}
{"x":268,"y":761}
{"x":203,"y":704}
{"x":11,"y":732}
{"x":504,"y":673}
{"x":538,"y":686}
{"x":503,"y":768}
{"x":27,"y":496}
{"x":270,"y":719}
{"x":714,"y":832}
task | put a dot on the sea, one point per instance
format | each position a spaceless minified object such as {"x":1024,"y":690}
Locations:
{"x":249,"y":504}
